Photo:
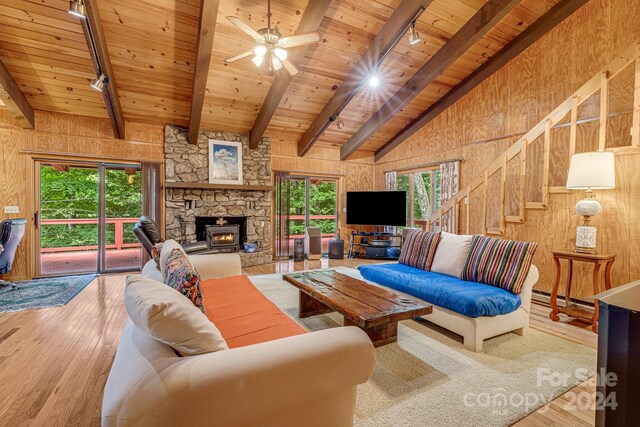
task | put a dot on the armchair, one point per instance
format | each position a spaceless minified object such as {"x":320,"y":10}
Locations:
{"x":149,"y":234}
{"x":11,"y":233}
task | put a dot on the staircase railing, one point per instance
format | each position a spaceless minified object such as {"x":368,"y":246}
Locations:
{"x":449,"y":217}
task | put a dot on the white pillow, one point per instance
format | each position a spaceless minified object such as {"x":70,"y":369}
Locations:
{"x":167,"y":316}
{"x":451,"y":254}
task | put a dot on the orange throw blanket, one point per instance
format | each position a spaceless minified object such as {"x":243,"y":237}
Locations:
{"x":243,"y":314}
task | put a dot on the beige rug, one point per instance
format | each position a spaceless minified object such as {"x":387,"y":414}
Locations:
{"x":428,"y":378}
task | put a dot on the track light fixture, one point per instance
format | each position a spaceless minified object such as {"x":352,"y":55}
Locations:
{"x":99,"y":82}
{"x":76,"y":8}
{"x":414,"y":37}
{"x":339,"y":123}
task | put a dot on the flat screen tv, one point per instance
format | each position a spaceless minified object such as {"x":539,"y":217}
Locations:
{"x":377,"y":208}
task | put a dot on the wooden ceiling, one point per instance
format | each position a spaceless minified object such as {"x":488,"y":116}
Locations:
{"x":152,"y":47}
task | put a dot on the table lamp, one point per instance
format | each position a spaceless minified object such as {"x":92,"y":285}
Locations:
{"x":590,"y":171}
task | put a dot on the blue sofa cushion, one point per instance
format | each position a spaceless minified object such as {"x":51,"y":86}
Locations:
{"x":471,"y":299}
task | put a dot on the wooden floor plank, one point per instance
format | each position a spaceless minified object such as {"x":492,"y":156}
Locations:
{"x":54,"y":362}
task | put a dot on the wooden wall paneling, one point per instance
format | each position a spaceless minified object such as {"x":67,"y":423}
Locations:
{"x":475,"y":209}
{"x":515,"y":176}
{"x":206,"y":33}
{"x":635,"y":138}
{"x":496,"y":199}
{"x":534,"y":181}
{"x":559,"y":155}
{"x":60,"y":136}
{"x":604,"y":111}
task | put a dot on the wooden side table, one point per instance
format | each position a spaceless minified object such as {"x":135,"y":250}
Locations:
{"x":598,"y":260}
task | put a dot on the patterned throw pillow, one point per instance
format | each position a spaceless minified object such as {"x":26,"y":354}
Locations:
{"x":181,"y":276}
{"x":501,"y":263}
{"x":155,"y":253}
{"x":419,"y":248}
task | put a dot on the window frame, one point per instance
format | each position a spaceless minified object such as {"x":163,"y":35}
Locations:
{"x":411,"y":193}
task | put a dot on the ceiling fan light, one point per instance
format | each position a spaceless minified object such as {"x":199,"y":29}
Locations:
{"x":276,"y":63}
{"x":257,"y":60}
{"x":260,"y":50}
{"x":414,"y":37}
{"x":76,"y":8}
{"x":99,"y":82}
{"x":280,"y":53}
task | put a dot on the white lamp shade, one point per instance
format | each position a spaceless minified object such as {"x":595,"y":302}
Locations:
{"x":595,"y":171}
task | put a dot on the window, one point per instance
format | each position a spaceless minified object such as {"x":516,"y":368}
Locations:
{"x":423,"y":195}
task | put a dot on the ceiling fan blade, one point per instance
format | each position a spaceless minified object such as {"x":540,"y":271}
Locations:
{"x":244,"y":27}
{"x":239,"y":57}
{"x":288,"y":65}
{"x":300,"y":39}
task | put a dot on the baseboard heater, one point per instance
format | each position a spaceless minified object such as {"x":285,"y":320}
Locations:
{"x":544,"y":296}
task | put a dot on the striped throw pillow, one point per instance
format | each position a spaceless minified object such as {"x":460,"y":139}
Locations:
{"x":501,"y":263}
{"x":419,"y":248}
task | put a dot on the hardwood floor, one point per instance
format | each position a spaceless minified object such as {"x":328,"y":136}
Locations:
{"x":54,"y":362}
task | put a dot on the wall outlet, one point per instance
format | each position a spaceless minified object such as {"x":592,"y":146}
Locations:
{"x":11,"y":209}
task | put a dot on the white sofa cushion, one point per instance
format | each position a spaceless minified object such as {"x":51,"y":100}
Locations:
{"x":167,"y":316}
{"x":451,"y":254}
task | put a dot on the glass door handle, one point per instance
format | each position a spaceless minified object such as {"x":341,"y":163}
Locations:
{"x":36,"y":219}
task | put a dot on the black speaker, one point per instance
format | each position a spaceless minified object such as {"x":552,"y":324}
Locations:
{"x":374,"y":252}
{"x":336,"y":249}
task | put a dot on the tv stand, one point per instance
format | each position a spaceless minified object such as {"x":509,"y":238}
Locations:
{"x":369,"y":244}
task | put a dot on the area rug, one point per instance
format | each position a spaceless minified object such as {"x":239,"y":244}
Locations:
{"x":428,"y":378}
{"x":42,"y":293}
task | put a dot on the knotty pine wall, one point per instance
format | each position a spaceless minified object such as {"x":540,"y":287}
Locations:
{"x":356,"y":174}
{"x":64,"y":135}
{"x":490,"y":118}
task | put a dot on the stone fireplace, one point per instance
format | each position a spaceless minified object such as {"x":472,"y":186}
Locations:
{"x":191,"y":214}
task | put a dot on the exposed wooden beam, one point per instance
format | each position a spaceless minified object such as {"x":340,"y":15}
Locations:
{"x":313,"y":15}
{"x":384,"y":42}
{"x":479,"y":24}
{"x":535,"y":31}
{"x":13,"y":98}
{"x":94,"y":35}
{"x":206,"y":32}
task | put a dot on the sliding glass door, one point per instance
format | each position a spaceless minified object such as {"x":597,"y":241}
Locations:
{"x":85,"y":216}
{"x":303,"y":201}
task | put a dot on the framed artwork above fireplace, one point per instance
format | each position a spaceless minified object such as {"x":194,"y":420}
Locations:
{"x":225,"y":162}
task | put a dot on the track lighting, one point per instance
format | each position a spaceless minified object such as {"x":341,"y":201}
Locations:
{"x":339,"y":123}
{"x":76,"y":8}
{"x":99,"y":82}
{"x":414,"y":37}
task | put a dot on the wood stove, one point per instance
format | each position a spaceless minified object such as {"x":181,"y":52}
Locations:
{"x":225,"y":238}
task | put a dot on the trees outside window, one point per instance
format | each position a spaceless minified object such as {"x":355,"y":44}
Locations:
{"x":423,"y":195}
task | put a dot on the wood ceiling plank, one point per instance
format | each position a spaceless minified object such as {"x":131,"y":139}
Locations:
{"x":311,"y":19}
{"x":206,"y":32}
{"x":545,"y":23}
{"x":93,"y":31}
{"x":385,"y":41}
{"x":13,"y":98}
{"x":474,"y":29}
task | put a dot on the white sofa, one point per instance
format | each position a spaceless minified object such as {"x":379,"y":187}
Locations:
{"x":475,"y":330}
{"x":307,"y":379}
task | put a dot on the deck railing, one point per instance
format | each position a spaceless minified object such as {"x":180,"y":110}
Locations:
{"x":311,"y":217}
{"x":118,"y":244}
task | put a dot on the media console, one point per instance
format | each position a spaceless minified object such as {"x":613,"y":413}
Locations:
{"x":375,"y":245}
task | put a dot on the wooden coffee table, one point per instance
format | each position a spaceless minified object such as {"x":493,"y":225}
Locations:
{"x":373,"y":309}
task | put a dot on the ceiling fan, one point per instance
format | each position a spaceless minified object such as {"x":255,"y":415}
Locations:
{"x":270,"y":45}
